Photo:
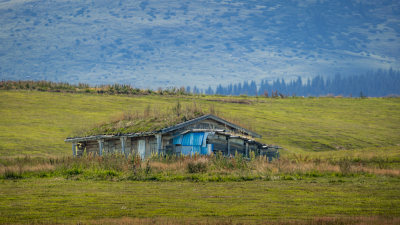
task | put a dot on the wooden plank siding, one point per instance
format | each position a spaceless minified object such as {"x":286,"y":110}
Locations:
{"x":112,"y":146}
{"x":237,"y":145}
{"x":92,"y":147}
{"x":220,"y":143}
{"x":221,"y":132}
{"x":220,"y":128}
{"x":134,"y":146}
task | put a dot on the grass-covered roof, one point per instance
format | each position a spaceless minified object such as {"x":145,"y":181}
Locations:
{"x":146,"y":121}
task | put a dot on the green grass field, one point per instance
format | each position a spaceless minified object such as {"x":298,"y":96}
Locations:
{"x":36,"y":123}
{"x":340,"y":163}
{"x":59,"y":200}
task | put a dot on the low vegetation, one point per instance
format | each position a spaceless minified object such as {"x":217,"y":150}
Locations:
{"x":152,"y":119}
{"x":320,"y":200}
{"x":215,"y":168}
{"x":147,"y":120}
{"x":115,"y":89}
{"x":199,"y":190}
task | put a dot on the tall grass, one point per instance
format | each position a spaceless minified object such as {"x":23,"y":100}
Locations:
{"x":196,"y":168}
{"x":152,"y":119}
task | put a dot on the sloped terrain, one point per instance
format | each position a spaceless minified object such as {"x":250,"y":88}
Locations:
{"x":339,"y":165}
{"x":36,"y":123}
{"x":152,"y":44}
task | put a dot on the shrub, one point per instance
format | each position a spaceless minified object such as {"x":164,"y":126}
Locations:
{"x":11,"y":174}
{"x":148,"y":168}
{"x":73,"y":171}
{"x":345,"y":166}
{"x":197,"y":167}
{"x":136,"y":162}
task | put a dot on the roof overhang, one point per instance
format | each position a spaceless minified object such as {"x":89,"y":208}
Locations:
{"x":167,"y":130}
{"x":102,"y":137}
{"x":212,"y":117}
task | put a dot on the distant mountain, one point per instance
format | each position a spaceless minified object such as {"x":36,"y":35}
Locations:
{"x":152,"y":44}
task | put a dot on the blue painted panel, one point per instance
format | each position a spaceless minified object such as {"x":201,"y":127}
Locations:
{"x":198,"y":138}
{"x":186,"y":150}
{"x":191,"y":150}
{"x":187,"y":139}
{"x":192,"y":139}
{"x":193,"y":143}
{"x":204,"y":151}
{"x":196,"y":149}
{"x":177,"y":140}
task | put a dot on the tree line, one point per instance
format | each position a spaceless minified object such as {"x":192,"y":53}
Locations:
{"x":375,"y":84}
{"x":111,"y":89}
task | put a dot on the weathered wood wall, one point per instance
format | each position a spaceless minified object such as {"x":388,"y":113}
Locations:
{"x":134,"y":146}
{"x":110,"y":146}
{"x":92,"y":147}
{"x":151,"y":147}
{"x":220,"y":143}
{"x":237,"y":145}
{"x":254,"y":148}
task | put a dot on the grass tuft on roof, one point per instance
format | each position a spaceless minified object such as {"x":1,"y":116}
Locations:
{"x":146,"y":121}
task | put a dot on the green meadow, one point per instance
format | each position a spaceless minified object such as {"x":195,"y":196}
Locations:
{"x":36,"y":123}
{"x":340,"y":163}
{"x":49,"y":200}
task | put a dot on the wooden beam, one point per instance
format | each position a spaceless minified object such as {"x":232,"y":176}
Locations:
{"x":159,"y":143}
{"x":101,"y":143}
{"x":74,"y":148}
{"x":247,"y":149}
{"x":123,"y":141}
{"x":229,"y":146}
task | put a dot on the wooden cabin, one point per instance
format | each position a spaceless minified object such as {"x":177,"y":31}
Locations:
{"x":203,"y":135}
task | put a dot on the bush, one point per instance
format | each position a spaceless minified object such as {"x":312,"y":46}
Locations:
{"x":148,"y":167}
{"x":345,"y":166}
{"x":197,"y":167}
{"x":11,"y":174}
{"x":73,"y":171}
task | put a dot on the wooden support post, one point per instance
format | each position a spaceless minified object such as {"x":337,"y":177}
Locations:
{"x":123,"y":141}
{"x":229,"y":146}
{"x":101,"y":143}
{"x":247,"y":149}
{"x":159,"y":143}
{"x":74,"y":148}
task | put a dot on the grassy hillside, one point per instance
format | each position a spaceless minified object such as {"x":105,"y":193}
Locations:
{"x":318,"y":184}
{"x":36,"y":123}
